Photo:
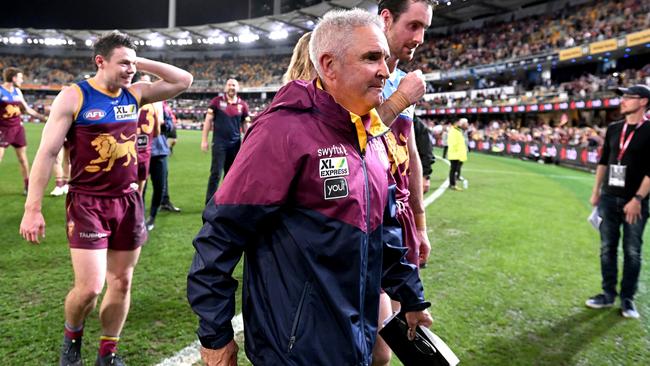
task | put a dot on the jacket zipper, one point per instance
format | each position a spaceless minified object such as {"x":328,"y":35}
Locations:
{"x":364,"y":262}
{"x":296,"y":319}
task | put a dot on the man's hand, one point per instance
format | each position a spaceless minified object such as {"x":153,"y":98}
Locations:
{"x":426,"y":184}
{"x":595,"y":198}
{"x":632,"y":211}
{"x":413,"y":86}
{"x":425,"y":246}
{"x":205,"y":147}
{"x":415,"y":318}
{"x":32,"y":226}
{"x":225,"y":356}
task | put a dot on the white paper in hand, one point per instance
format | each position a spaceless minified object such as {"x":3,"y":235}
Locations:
{"x":595,"y":219}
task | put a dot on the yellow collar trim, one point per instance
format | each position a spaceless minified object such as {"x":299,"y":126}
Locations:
{"x":376,"y":128}
{"x":95,"y":86}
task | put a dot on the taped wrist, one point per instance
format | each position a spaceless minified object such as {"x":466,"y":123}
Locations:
{"x":420,"y":221}
{"x":397,"y":102}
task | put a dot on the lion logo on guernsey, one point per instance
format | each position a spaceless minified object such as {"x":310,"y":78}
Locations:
{"x":109,"y":149}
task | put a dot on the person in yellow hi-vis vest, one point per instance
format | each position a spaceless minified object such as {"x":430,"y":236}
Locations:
{"x":457,"y":151}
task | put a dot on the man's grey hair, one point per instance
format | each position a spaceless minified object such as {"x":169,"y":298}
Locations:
{"x":332,"y":34}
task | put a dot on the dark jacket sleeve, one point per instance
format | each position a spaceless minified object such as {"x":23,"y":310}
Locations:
{"x":248,"y":197}
{"x":400,"y":279}
{"x":425,"y":147}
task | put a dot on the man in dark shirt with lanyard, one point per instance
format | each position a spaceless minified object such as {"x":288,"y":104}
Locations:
{"x":229,"y":115}
{"x":621,"y":193}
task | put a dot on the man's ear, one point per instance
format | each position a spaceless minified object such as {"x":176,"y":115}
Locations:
{"x":99,"y":61}
{"x":387,"y":17}
{"x":328,"y":64}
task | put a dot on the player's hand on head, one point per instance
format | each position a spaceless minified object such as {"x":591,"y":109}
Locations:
{"x":32,"y":226}
{"x":413,"y":86}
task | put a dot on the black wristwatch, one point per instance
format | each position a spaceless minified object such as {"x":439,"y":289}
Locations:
{"x":638,"y":197}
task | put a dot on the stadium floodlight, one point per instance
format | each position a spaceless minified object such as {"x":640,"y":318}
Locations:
{"x":89,"y":43}
{"x":157,"y":42}
{"x":29,"y":40}
{"x":248,"y":37}
{"x":216,"y":40}
{"x":49,"y":41}
{"x":279,"y":34}
{"x":15,"y":40}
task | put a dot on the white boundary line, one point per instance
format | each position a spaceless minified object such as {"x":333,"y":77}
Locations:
{"x":438,"y":192}
{"x":190,"y":355}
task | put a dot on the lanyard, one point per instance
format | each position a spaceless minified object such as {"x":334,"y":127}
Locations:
{"x":623,"y":145}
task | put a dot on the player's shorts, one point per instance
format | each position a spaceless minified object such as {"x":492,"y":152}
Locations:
{"x":409,"y":233}
{"x":12,"y":135}
{"x":115,"y":223}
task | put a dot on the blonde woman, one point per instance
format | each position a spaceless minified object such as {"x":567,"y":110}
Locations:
{"x":300,"y":67}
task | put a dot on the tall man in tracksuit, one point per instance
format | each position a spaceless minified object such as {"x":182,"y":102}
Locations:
{"x":227,"y":115}
{"x":405,"y":22}
{"x":305,"y":200}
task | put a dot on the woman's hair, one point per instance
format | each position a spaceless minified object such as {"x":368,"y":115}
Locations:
{"x":300,"y":67}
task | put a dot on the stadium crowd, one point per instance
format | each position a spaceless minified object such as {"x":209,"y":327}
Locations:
{"x":587,"y":86}
{"x":541,"y":132}
{"x":210,"y":73}
{"x":509,"y":40}
{"x":572,"y":26}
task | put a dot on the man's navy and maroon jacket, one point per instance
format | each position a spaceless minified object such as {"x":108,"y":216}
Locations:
{"x":305,"y":201}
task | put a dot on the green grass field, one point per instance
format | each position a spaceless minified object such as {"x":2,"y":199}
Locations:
{"x":513,"y":262}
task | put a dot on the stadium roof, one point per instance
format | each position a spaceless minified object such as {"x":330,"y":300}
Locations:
{"x":265,"y":31}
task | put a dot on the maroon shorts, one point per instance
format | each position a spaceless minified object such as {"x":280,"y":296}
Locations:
{"x":409,"y":234}
{"x":115,"y":223}
{"x":12,"y":135}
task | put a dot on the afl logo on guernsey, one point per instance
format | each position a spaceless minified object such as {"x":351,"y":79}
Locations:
{"x":94,"y":114}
